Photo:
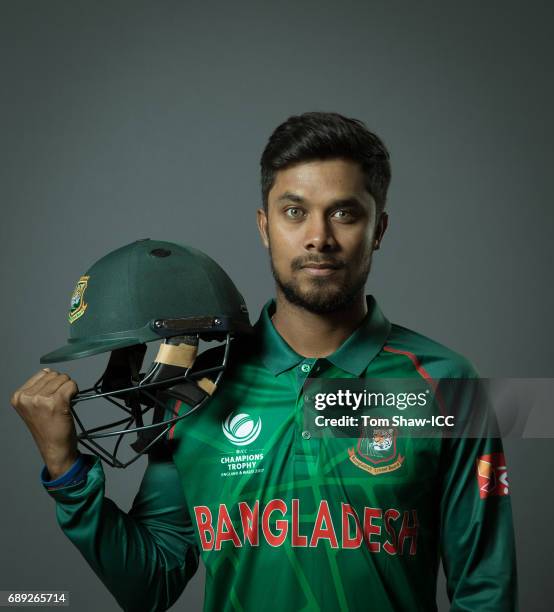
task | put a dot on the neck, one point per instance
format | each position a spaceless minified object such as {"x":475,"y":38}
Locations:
{"x":316,"y":335}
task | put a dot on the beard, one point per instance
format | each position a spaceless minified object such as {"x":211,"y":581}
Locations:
{"x":322,"y":296}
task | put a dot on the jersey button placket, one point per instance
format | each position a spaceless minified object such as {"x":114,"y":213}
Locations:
{"x":306,"y":446}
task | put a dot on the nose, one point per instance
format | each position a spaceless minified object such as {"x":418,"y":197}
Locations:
{"x":319,"y":235}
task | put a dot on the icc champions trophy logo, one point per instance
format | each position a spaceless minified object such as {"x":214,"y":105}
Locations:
{"x":241,"y":429}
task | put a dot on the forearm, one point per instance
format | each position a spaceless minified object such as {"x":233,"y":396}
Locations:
{"x":477,"y":535}
{"x":144,"y":557}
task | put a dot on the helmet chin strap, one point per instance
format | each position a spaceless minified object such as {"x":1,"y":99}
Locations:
{"x":176,"y":356}
{"x":178,"y":351}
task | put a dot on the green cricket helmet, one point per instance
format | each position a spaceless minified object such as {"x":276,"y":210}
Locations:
{"x":145,"y":291}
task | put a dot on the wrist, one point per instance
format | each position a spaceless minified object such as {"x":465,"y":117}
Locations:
{"x":56,"y":467}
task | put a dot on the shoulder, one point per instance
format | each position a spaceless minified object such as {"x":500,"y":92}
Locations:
{"x":427,"y":355}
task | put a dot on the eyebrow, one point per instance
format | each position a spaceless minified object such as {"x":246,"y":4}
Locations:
{"x":293,"y":197}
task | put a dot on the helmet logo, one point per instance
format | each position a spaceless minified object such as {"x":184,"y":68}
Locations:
{"x":78,"y":305}
{"x":241,"y":429}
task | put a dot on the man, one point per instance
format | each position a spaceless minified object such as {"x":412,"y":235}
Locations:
{"x":284,"y":519}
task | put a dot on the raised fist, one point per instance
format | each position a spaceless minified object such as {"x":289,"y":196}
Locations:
{"x":43,"y":403}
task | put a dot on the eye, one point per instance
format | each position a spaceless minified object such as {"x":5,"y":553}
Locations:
{"x":294,"y":213}
{"x":343,"y":215}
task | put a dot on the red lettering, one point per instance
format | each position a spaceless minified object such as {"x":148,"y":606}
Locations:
{"x":321,"y":532}
{"x":354,"y":531}
{"x":204,"y":523}
{"x":297,"y":539}
{"x":280,"y":524}
{"x":370,"y":529}
{"x":249,"y":519}
{"x":391,"y":515}
{"x":225,"y":529}
{"x":347,"y":541}
{"x":409,"y":531}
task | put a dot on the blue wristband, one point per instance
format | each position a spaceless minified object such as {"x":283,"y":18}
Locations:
{"x":76,"y":473}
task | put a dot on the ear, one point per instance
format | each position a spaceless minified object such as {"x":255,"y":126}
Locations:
{"x":380,"y":230}
{"x":261,"y":218}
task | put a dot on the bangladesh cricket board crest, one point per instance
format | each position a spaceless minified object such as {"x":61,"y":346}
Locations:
{"x":78,"y":305}
{"x":377,"y":451}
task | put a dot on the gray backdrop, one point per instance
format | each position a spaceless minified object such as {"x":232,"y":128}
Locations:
{"x":147,"y":119}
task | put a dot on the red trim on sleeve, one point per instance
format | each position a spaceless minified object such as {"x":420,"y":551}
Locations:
{"x":417,"y":364}
{"x":421,"y":371}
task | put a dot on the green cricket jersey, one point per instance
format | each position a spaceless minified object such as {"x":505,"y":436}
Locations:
{"x":286,"y":520}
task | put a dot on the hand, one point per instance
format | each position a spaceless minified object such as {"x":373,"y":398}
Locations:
{"x":43,"y":403}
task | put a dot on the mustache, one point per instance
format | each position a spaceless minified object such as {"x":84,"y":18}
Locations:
{"x":301,"y":262}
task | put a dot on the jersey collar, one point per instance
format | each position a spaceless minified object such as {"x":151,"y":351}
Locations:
{"x":353,"y":356}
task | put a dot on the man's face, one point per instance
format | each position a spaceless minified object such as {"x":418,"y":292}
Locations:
{"x":320,"y":229}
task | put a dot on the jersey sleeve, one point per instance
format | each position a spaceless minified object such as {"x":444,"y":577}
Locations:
{"x":144,"y":557}
{"x":76,"y":473}
{"x":477,"y":537}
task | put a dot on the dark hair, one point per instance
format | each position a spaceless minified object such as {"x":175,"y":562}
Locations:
{"x":316,"y":135}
